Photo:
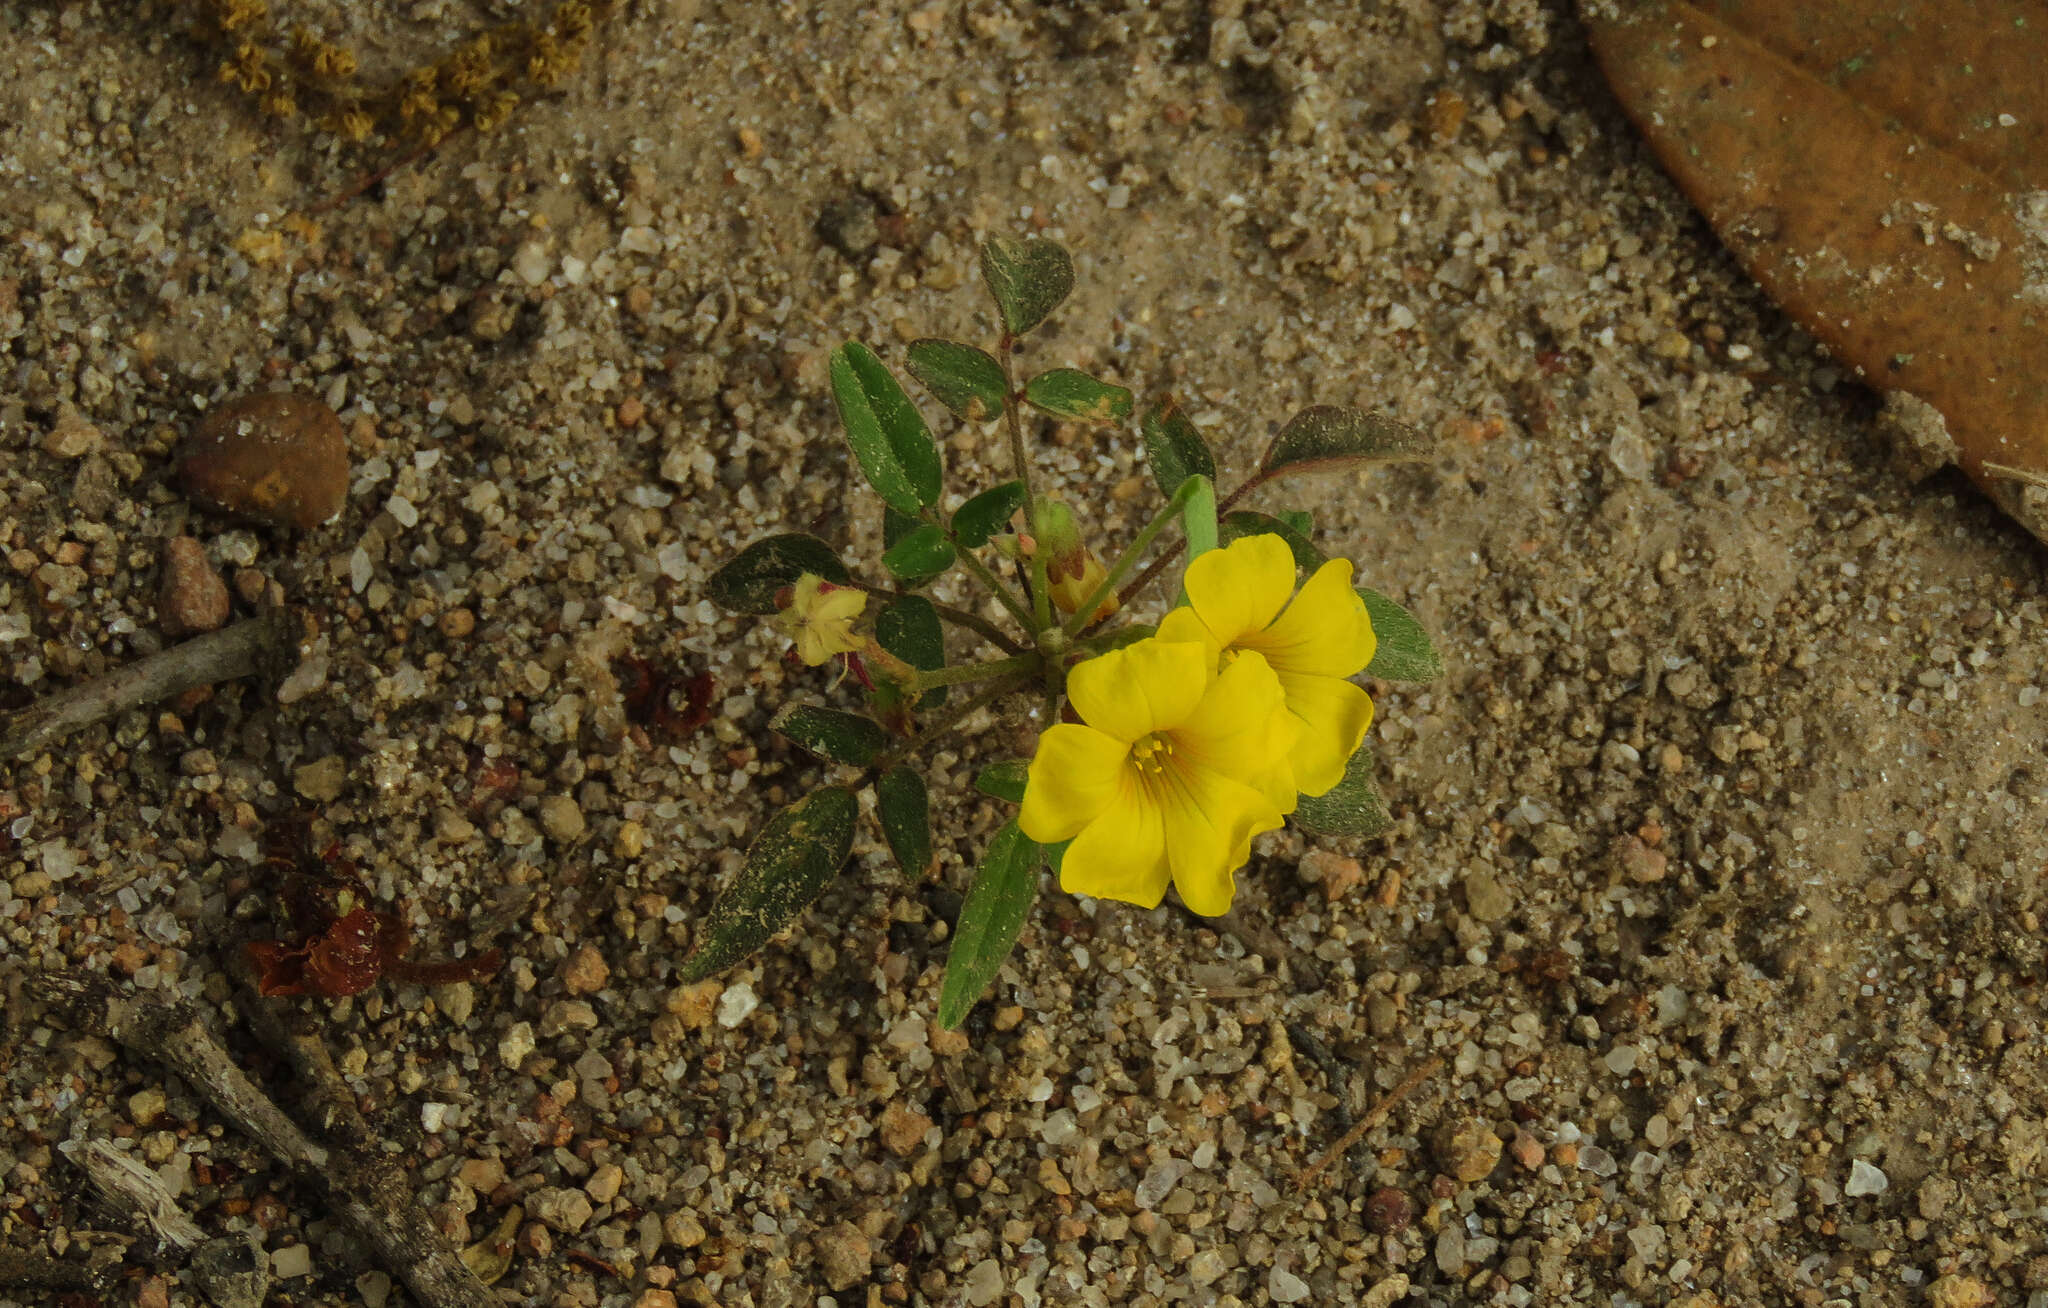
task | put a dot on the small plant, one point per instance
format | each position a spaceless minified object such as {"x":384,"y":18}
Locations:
{"x":1165,"y":749}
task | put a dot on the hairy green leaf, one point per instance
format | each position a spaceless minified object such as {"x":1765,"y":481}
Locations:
{"x":966,"y":380}
{"x":909,"y":628}
{"x":987,"y":513}
{"x":1174,"y":448}
{"x":1246,"y":523}
{"x":990,"y":922}
{"x":1326,"y":438}
{"x":1026,"y":279}
{"x":748,"y":581}
{"x":925,"y":552}
{"x":1405,"y":651}
{"x":1071,"y":393}
{"x":851,"y":738}
{"x":1351,"y":808}
{"x":887,"y":433}
{"x":1003,"y":780}
{"x":906,"y":813}
{"x":801,"y":850}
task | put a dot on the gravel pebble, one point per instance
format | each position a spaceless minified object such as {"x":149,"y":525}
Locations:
{"x":321,"y":780}
{"x":191,"y":597}
{"x":560,"y":1208}
{"x":279,"y":457}
{"x":585,"y":972}
{"x":844,"y":1253}
{"x":1468,"y":1149}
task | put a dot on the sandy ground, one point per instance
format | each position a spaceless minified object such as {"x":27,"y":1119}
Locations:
{"x":1716,"y":870}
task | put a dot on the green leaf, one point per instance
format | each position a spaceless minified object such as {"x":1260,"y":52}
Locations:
{"x":906,"y":813}
{"x":966,"y":380}
{"x":1071,"y":393}
{"x":990,"y":922}
{"x":1405,"y":651}
{"x":1326,"y":438}
{"x":1027,"y":279}
{"x":987,"y":513}
{"x":1246,"y":523}
{"x":748,"y":581}
{"x":1350,"y":808}
{"x":1003,"y":780}
{"x":925,"y":552}
{"x":1298,"y":520}
{"x":1174,"y":448}
{"x":850,"y":738}
{"x":895,"y":526}
{"x":1056,"y":856}
{"x":801,"y":849}
{"x":909,"y":628}
{"x":887,"y":433}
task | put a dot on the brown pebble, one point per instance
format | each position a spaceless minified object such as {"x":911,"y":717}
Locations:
{"x":1468,"y":1149}
{"x":1635,"y":859}
{"x":1528,"y":1150}
{"x":154,"y":1292}
{"x":279,"y":457}
{"x":903,"y":1129}
{"x":250,"y":585}
{"x":72,"y":437}
{"x":586,"y":971}
{"x":631,"y":411}
{"x":843,"y":1255}
{"x":457,"y":623}
{"x":1388,"y":1211}
{"x":191,"y":597}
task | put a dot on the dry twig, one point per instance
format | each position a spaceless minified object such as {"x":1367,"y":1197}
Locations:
{"x":369,"y":1196}
{"x":223,"y":655}
{"x":1370,"y":1120}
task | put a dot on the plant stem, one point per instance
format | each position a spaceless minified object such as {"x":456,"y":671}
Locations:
{"x":974,"y":622}
{"x":1002,"y":592}
{"x":1172,"y":552}
{"x":1041,"y":602}
{"x":965,"y":673}
{"x":1132,"y":553}
{"x":953,"y":718}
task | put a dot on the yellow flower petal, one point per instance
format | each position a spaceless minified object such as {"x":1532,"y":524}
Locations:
{"x":1240,"y":587}
{"x":1334,"y":715}
{"x":1325,"y":632}
{"x":1132,"y":692}
{"x":1242,"y":729}
{"x":1120,"y":855}
{"x":1210,"y":821}
{"x":1076,"y":775}
{"x":842,"y":605}
{"x":1182,"y":625}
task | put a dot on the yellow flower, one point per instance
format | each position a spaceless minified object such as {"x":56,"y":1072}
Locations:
{"x":1238,"y":603}
{"x":819,"y":618}
{"x":1177,"y":767}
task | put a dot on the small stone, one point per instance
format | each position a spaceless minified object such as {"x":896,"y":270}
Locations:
{"x":292,"y":1260}
{"x":682,"y":1229}
{"x":154,"y":1292}
{"x":1207,"y":1267}
{"x":1285,"y":1287}
{"x":1337,"y":875}
{"x":1957,"y":1291}
{"x":903,"y":1130}
{"x":482,"y":1175}
{"x":1159,"y":1181}
{"x":984,"y":1283}
{"x":693,"y":1004}
{"x":1527,"y":1150}
{"x":843,"y":1255}
{"x":1468,"y":1149}
{"x":146,"y":1106}
{"x":278,"y":457}
{"x":737,"y":1004}
{"x":656,"y":1299}
{"x":559,"y":1207}
{"x":603,"y":1185}
{"x":560,"y":818}
{"x":72,"y":437}
{"x":567,"y":1015}
{"x":456,"y":1000}
{"x":850,"y":226}
{"x":1864,"y":1178}
{"x":1636,"y":860}
{"x":321,"y":780}
{"x":515,"y":1045}
{"x":586,"y":971}
{"x":1485,"y":898}
{"x":1388,"y":1211}
{"x":191,"y":597}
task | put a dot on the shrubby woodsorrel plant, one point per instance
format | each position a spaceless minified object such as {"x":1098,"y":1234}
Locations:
{"x":1179,"y":743}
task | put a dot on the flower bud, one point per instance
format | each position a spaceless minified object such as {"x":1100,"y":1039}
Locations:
{"x":1069,"y":593}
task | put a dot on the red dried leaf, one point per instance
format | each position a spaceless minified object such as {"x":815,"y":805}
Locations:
{"x":650,"y":691}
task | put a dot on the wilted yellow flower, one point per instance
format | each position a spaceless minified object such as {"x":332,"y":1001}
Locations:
{"x":1071,"y":591}
{"x":1173,"y":769}
{"x":1238,"y":602}
{"x":819,"y":618}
